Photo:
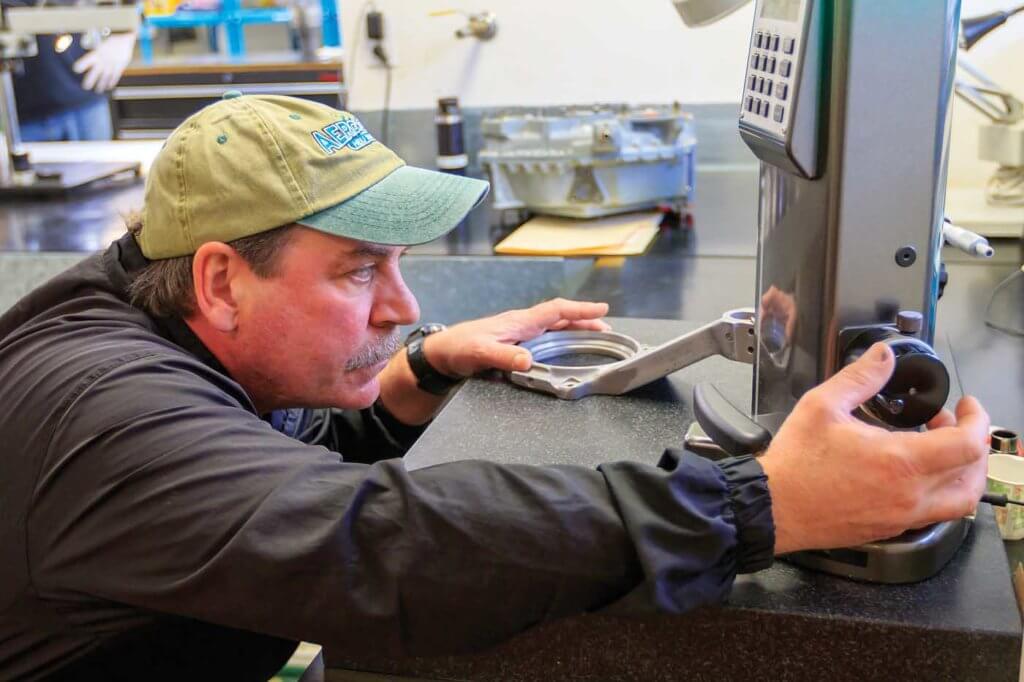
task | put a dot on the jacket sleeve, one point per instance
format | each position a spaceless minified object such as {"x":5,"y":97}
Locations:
{"x":161,"y":493}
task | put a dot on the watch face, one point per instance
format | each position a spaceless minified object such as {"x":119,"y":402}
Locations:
{"x":424,"y":330}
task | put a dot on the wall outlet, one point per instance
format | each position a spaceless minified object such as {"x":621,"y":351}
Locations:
{"x":380,"y":32}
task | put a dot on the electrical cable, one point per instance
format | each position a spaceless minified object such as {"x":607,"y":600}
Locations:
{"x":1015,"y":331}
{"x":360,"y":22}
{"x":382,"y":55}
{"x":387,"y":103}
{"x":376,"y":32}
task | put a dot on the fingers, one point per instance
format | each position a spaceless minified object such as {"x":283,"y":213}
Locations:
{"x":857,"y":382}
{"x":950,"y":447}
{"x":84,"y":62}
{"x":942,"y":420}
{"x":589,"y":325}
{"x":90,"y":65}
{"x":110,"y":79}
{"x":581,"y":325}
{"x":970,"y":415}
{"x":504,"y":357}
{"x":551,"y":312}
{"x":91,"y":77}
{"x":957,"y":498}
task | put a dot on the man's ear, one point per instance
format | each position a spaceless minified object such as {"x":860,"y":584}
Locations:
{"x":217,"y":273}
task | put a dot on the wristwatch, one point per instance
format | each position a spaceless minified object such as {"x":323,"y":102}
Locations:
{"x":427,"y":378}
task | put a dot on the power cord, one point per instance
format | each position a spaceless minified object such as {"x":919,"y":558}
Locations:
{"x":988,"y":309}
{"x":361,"y":21}
{"x":382,"y":55}
{"x":375,"y":31}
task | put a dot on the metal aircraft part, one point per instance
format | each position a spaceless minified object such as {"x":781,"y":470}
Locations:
{"x":634,"y":365}
{"x":584,"y":162}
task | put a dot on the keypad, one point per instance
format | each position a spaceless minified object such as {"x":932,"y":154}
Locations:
{"x":767,"y":86}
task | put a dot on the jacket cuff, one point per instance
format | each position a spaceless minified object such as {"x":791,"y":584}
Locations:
{"x":751,"y":506}
{"x":403,"y":435}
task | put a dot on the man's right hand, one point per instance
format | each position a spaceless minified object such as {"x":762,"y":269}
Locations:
{"x":836,"y":481}
{"x":103,"y":66}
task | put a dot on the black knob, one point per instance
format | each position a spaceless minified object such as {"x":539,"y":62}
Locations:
{"x":729,"y":427}
{"x":919,"y":386}
{"x":20,"y":161}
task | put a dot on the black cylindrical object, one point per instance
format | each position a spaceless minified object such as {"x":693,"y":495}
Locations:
{"x":20,"y":161}
{"x":451,"y":148}
{"x":375,"y":25}
{"x":919,"y":386}
{"x":1005,"y":442}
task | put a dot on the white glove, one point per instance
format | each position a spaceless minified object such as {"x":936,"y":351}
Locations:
{"x":104,"y":65}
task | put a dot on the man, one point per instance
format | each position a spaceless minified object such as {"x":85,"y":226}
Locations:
{"x":168,"y":510}
{"x":60,"y":93}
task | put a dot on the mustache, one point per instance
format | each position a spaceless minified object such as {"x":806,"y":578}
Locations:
{"x":376,"y":351}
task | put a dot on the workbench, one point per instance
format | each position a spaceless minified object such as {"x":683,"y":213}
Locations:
{"x":785,"y":622}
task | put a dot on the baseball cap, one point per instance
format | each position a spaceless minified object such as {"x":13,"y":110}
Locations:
{"x":247,"y":164}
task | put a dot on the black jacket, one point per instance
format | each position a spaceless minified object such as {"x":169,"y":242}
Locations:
{"x":153,"y":525}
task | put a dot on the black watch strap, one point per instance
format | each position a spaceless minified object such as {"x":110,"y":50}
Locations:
{"x":427,"y":378}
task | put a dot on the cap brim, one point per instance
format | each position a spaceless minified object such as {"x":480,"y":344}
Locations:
{"x":409,"y":206}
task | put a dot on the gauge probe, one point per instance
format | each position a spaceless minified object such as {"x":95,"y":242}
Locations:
{"x":998,"y":500}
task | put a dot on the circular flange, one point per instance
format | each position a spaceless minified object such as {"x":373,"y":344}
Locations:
{"x":557,"y":344}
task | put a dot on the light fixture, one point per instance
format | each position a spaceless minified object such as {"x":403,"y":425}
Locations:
{"x":62,"y":43}
{"x":704,"y":12}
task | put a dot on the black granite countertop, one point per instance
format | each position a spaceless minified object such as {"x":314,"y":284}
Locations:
{"x":785,"y":622}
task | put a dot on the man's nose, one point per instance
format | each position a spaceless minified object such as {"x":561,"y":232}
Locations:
{"x":395,"y":304}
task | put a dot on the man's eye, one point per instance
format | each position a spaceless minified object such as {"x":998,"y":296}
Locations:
{"x":363,"y":275}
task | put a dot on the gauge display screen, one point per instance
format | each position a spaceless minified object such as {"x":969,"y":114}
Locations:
{"x":783,"y":10}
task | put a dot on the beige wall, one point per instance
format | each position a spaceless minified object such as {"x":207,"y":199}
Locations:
{"x":1001,"y":56}
{"x":577,"y":51}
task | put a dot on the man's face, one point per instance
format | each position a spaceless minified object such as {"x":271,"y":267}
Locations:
{"x":318,"y":332}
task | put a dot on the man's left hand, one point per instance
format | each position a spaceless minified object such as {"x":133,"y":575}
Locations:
{"x":472,"y":347}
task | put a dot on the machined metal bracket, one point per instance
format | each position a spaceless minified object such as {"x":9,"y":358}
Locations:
{"x":732,"y":336}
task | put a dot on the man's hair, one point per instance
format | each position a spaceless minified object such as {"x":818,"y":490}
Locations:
{"x":164,"y":287}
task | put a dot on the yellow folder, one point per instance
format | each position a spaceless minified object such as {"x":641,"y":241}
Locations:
{"x":620,"y":235}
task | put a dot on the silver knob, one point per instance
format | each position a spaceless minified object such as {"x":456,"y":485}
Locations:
{"x":909,"y":322}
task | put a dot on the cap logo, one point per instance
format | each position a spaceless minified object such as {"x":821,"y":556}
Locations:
{"x":346,"y":132}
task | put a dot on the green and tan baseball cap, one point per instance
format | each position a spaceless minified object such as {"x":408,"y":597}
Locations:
{"x":248,"y":164}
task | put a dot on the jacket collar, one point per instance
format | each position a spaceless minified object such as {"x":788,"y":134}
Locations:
{"x":123,"y":262}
